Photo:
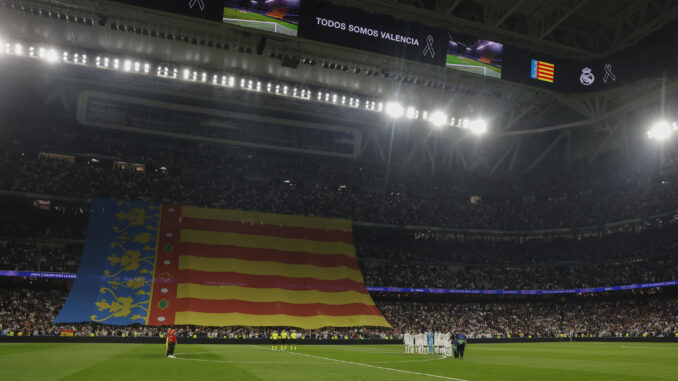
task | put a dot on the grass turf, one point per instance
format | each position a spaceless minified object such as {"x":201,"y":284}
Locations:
{"x":544,"y":361}
{"x":246,"y":15}
{"x":453,"y":60}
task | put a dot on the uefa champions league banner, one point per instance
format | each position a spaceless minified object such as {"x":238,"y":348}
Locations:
{"x":524,"y":292}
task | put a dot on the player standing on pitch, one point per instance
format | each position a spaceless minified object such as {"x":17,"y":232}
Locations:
{"x":293,"y":340}
{"x":171,"y":342}
{"x":274,"y":339}
{"x":283,"y":340}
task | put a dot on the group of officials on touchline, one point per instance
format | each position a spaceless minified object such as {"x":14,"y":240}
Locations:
{"x":437,"y":343}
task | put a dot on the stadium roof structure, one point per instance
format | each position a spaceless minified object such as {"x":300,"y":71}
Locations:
{"x":561,"y":28}
{"x":528,"y":124}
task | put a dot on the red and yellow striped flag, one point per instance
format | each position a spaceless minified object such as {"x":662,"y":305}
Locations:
{"x":226,"y":267}
{"x":542,"y":71}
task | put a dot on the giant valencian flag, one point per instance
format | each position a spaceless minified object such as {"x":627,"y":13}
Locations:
{"x":167,"y":264}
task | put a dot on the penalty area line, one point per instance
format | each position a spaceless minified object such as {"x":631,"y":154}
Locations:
{"x":376,"y":366}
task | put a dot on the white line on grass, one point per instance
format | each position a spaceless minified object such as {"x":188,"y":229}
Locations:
{"x":184,"y":356}
{"x":373,"y":366}
{"x":176,"y":357}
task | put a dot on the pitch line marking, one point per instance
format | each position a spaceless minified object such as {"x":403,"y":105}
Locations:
{"x":179,"y":356}
{"x":376,"y":366}
{"x":253,"y":362}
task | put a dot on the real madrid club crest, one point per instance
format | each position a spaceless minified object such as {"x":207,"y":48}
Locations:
{"x":587,"y":78}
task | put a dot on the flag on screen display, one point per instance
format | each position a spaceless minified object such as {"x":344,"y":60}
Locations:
{"x":159,"y":264}
{"x":542,"y":71}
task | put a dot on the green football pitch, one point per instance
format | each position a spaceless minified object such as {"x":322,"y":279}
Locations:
{"x":258,"y":21}
{"x":467,"y":64}
{"x":545,"y":361}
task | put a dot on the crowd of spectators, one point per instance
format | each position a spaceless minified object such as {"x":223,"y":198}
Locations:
{"x":554,"y":277}
{"x":638,"y":317}
{"x":37,"y":256}
{"x":398,"y":246}
{"x":28,"y":312}
{"x":400,"y":259}
{"x":84,"y":165}
{"x":50,"y":239}
{"x":224,"y":177}
{"x":23,"y":219}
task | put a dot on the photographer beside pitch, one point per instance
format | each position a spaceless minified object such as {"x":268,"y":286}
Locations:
{"x":170,"y":342}
{"x":461,"y":345}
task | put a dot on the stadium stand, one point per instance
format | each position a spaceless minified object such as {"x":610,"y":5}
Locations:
{"x":545,"y":222}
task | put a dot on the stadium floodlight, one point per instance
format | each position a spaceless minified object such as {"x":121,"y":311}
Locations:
{"x":438,"y":119}
{"x":395,"y":110}
{"x":412,"y":113}
{"x":186,"y":73}
{"x":478,"y":126}
{"x":127,"y":65}
{"x":18,"y":49}
{"x":662,"y":130}
{"x":52,"y":56}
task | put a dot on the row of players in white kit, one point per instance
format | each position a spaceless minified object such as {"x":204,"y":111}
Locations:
{"x":429,"y":343}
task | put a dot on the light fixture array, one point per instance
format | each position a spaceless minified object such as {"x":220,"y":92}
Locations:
{"x":52,"y":55}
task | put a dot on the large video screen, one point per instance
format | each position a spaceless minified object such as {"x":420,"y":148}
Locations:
{"x":335,"y":24}
{"x":474,"y":55}
{"x":278,"y":16}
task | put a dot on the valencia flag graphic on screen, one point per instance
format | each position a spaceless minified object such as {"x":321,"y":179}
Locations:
{"x":542,"y":71}
{"x":159,"y":264}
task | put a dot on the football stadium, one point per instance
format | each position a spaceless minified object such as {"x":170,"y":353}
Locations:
{"x":458,"y":190}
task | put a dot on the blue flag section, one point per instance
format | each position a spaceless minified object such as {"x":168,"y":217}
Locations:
{"x":115,"y":276}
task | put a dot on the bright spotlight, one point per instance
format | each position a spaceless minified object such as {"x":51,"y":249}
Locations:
{"x":395,"y":110}
{"x":412,"y":113}
{"x":127,"y":65}
{"x":662,"y":130}
{"x":478,"y":126}
{"x":52,"y":56}
{"x":438,"y":118}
